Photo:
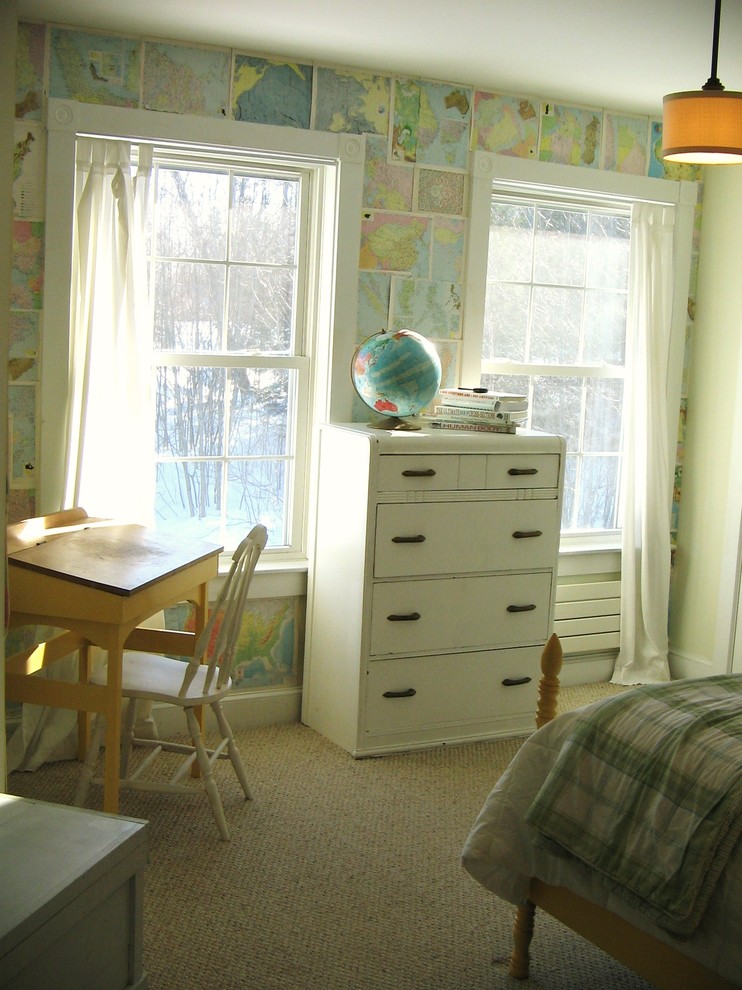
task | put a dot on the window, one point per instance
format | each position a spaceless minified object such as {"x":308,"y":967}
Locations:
{"x":547,"y":305}
{"x":555,"y":329}
{"x":252,"y":254}
{"x":228,"y":246}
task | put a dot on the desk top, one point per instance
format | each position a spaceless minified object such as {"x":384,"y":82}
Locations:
{"x":121,"y":560}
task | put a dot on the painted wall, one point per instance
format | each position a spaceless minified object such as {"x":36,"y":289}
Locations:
{"x":419,"y":138}
{"x":706,"y":569}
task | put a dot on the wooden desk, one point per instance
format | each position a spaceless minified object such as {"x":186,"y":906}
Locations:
{"x":101,"y":583}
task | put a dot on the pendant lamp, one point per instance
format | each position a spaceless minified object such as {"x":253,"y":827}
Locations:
{"x":704,"y":127}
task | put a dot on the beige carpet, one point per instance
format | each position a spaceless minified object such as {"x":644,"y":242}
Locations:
{"x":341,"y":875}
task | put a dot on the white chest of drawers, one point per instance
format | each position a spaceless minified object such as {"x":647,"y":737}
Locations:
{"x":431,"y":589}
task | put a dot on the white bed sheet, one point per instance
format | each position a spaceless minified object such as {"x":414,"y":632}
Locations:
{"x":501,"y":854}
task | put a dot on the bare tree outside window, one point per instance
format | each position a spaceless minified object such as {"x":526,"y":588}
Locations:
{"x":224,"y":275}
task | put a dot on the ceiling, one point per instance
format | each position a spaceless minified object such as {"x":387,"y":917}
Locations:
{"x":615,"y":54}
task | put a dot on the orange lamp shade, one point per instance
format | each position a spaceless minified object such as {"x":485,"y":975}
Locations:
{"x":703,"y":127}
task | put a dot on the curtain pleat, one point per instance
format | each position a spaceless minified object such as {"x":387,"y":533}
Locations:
{"x":109,"y":462}
{"x":647,"y":473}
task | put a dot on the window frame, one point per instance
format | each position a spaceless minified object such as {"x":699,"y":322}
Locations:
{"x":337,"y":163}
{"x":552,"y":180}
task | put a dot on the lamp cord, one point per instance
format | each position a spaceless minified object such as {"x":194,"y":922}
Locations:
{"x":713,"y":80}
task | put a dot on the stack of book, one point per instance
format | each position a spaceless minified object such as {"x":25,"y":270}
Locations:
{"x":479,"y":409}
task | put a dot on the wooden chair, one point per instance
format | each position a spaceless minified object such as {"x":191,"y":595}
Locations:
{"x":203,"y":680}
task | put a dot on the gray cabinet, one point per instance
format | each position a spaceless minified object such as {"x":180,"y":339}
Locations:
{"x":70,"y":898}
{"x":431,"y":588}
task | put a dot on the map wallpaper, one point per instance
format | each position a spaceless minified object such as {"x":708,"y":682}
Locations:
{"x":419,"y":136}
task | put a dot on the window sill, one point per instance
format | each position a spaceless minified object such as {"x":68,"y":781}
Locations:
{"x":275,"y":578}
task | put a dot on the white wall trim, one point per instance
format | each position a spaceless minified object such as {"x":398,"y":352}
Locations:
{"x":243,"y":710}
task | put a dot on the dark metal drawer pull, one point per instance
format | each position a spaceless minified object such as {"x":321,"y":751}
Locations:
{"x":410,"y":617}
{"x":515,"y":681}
{"x":409,"y":539}
{"x":409,"y":693}
{"x":421,"y":473}
{"x":526,"y":534}
{"x":519,"y":471}
{"x":520,"y":608}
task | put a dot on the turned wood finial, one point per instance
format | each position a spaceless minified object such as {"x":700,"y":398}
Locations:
{"x":548,"y":688}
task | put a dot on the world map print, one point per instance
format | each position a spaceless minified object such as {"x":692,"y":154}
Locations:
{"x":94,"y":68}
{"x":352,"y":101}
{"x":29,"y":71}
{"x":266,"y":646}
{"x":431,"y":123}
{"x":27,"y":273}
{"x":626,"y":144}
{"x":395,"y":242}
{"x":506,"y":125}
{"x":570,"y":135}
{"x":431,"y":308}
{"x":22,"y":432}
{"x":440,"y":192}
{"x":448,"y":247}
{"x":268,"y":91}
{"x":385,"y":186}
{"x":374,"y":291}
{"x":29,"y":170}
{"x":179,"y":79}
{"x":23,"y":347}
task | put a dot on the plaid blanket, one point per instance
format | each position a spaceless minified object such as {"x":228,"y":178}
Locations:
{"x":647,"y":792}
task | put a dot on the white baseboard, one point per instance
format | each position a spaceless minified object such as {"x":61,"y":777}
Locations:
{"x":684,"y":665}
{"x":587,"y":669}
{"x":243,"y":710}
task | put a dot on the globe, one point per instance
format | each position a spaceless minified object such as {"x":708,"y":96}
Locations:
{"x":396,"y":374}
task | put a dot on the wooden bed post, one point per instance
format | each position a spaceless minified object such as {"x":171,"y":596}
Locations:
{"x":548,"y":688}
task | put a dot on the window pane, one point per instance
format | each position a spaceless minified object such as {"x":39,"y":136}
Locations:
{"x":189,"y":306}
{"x":556,"y":407}
{"x":608,"y":252}
{"x":192,"y":210}
{"x":259,"y":411}
{"x":603,"y":402}
{"x":570,"y":491}
{"x":188,"y":498}
{"x":605,"y":327}
{"x":257,"y":493}
{"x":561,"y":246}
{"x":511,"y":242}
{"x":596,"y":507}
{"x":261,"y":304}
{"x":189,"y":411}
{"x":264,"y":219}
{"x":556,"y":319}
{"x":506,"y":321}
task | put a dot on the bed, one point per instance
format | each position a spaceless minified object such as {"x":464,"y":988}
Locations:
{"x":517,"y":847}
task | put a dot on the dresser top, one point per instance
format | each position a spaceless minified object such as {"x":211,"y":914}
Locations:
{"x":452,"y":441}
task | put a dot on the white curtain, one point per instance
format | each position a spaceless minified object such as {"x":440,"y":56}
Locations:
{"x":648,"y":470}
{"x":109,"y":456}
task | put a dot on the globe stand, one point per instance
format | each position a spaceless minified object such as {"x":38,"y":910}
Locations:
{"x":394,"y":423}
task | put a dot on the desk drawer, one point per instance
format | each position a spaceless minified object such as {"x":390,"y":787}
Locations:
{"x":454,"y":537}
{"x":439,"y":691}
{"x":420,"y":472}
{"x":459,"y":613}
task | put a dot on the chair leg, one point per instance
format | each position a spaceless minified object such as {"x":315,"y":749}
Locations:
{"x":234,"y":754}
{"x":127,"y":736}
{"x":207,"y":776}
{"x":91,"y":758}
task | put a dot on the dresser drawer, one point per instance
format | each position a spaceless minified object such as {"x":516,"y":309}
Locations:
{"x":460,"y":537}
{"x":522,"y":470}
{"x":457,"y":689}
{"x":421,"y":472}
{"x":431,"y":616}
